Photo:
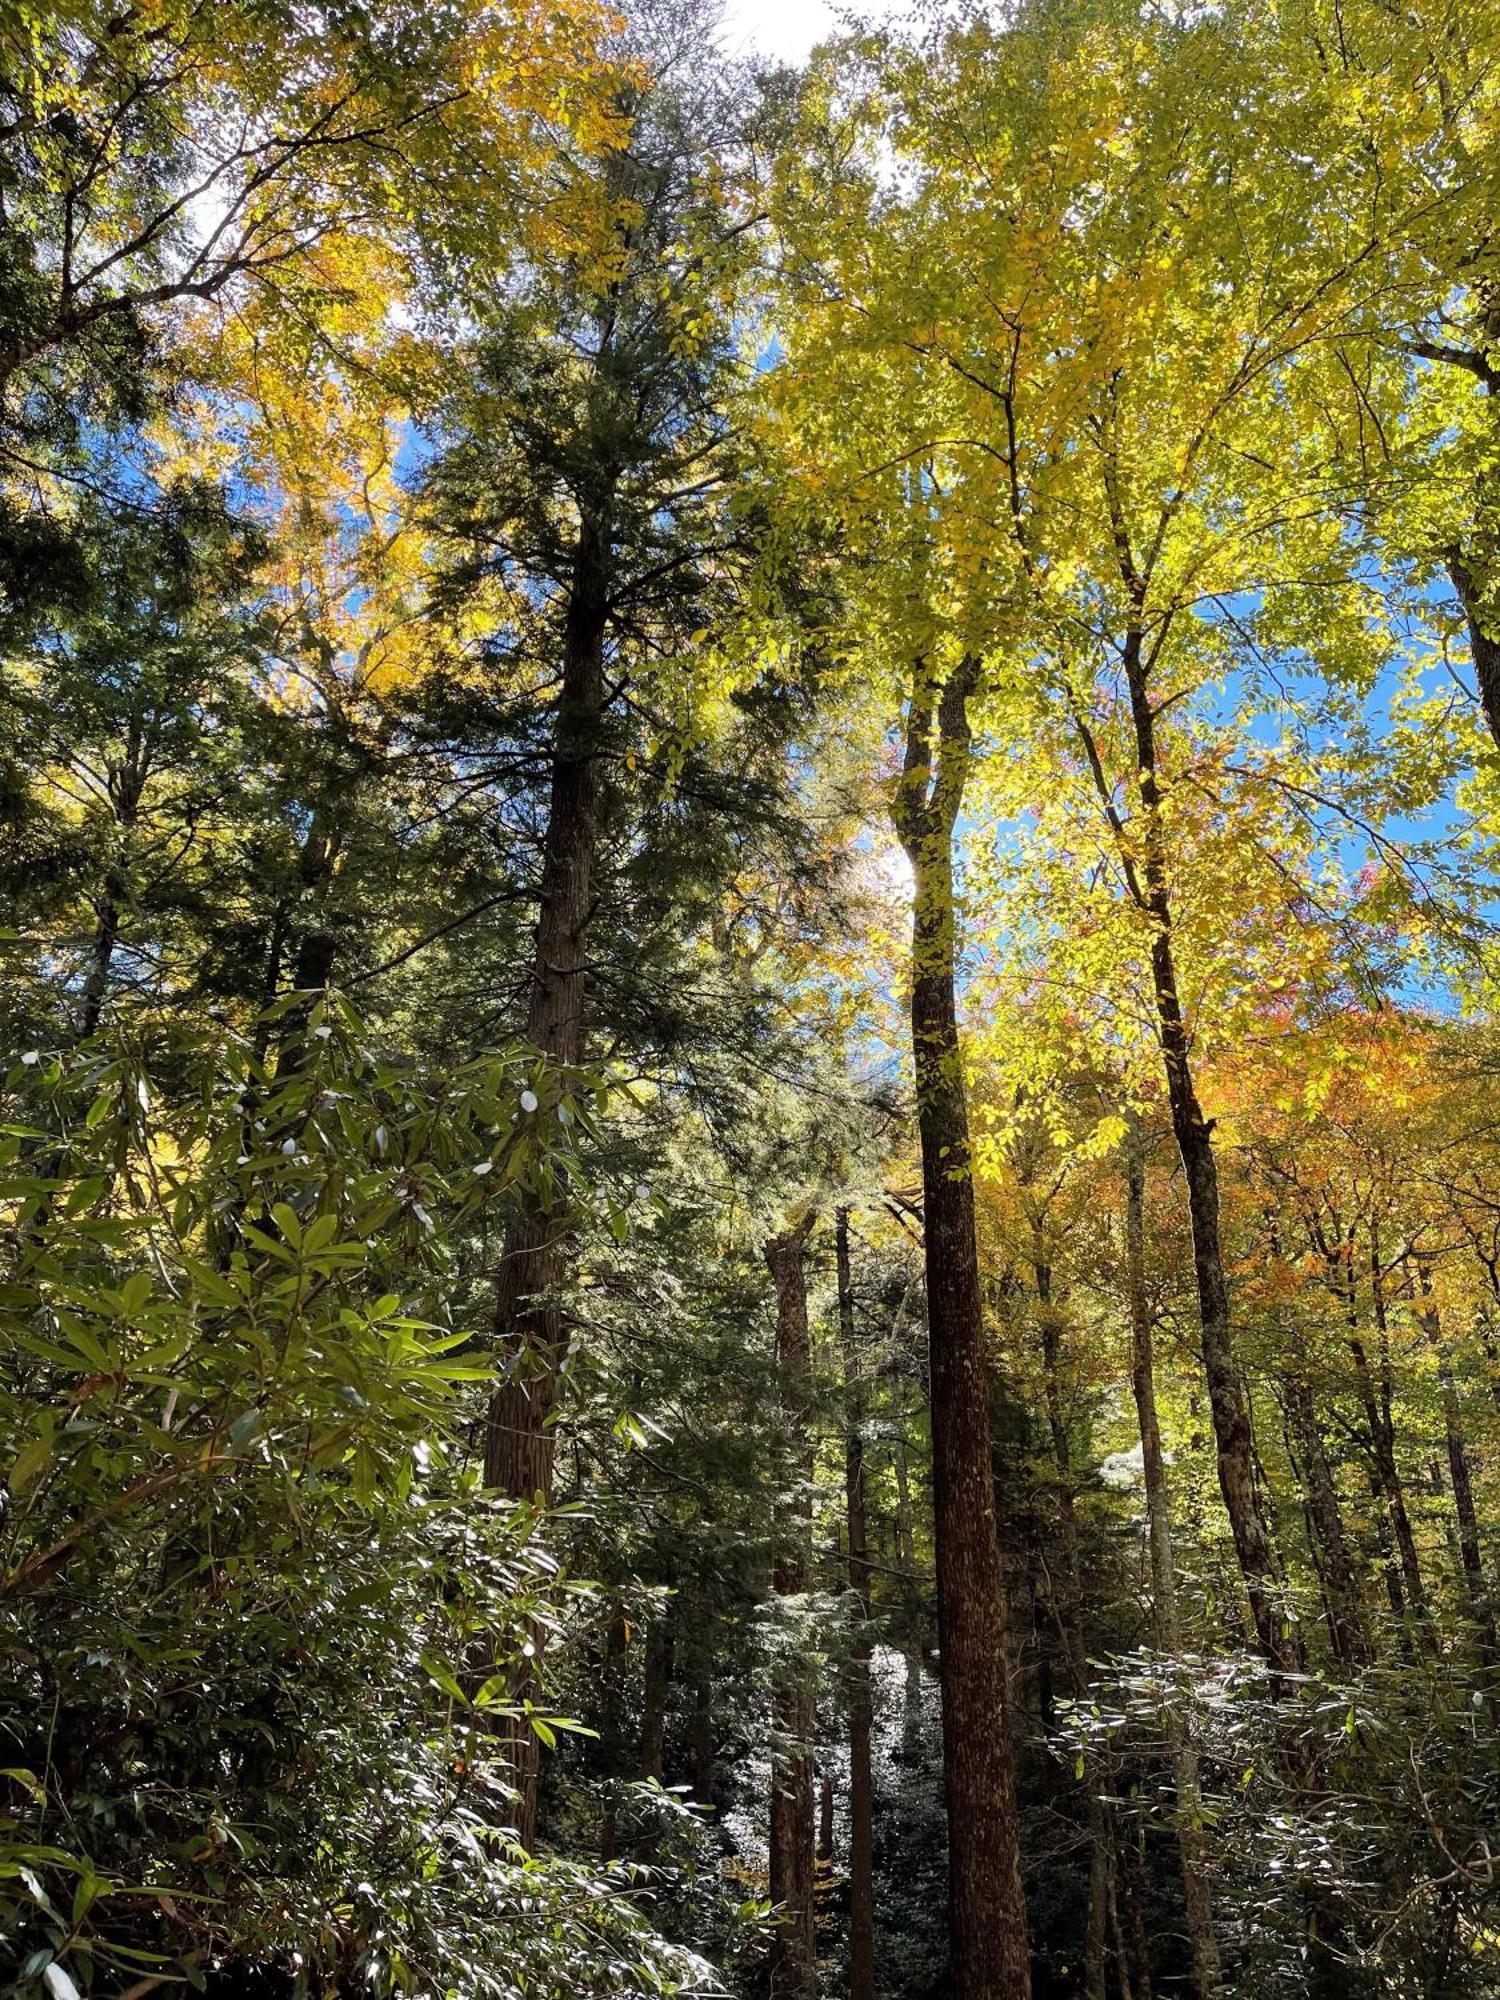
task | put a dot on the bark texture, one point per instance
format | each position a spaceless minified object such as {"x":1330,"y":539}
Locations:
{"x":987,"y":1912}
{"x":1194,"y":1135}
{"x":1460,"y":1472}
{"x":1343,"y":1606}
{"x":529,"y":1331}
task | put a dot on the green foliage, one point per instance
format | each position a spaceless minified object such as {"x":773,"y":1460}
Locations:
{"x":1363,"y":1807}
{"x":246,"y":1560}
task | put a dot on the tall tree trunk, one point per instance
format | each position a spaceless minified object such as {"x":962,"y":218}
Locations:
{"x":1469,"y":564}
{"x":1117,"y":1935}
{"x":1132,"y":1872}
{"x":107,"y":912}
{"x":1096,"y":1923}
{"x":703,"y":1736}
{"x":906,"y":1549}
{"x":611,"y":1746}
{"x":1194,"y":1135}
{"x":654,"y":1698}
{"x":529,"y":1330}
{"x":1070,"y":1618}
{"x":1460,"y":1473}
{"x":1484,"y":647}
{"x":656,"y":1673}
{"x":861,"y":1778}
{"x":127,"y":787}
{"x":1377,"y":1402}
{"x":317,"y":940}
{"x":314,"y":934}
{"x":1345,"y":1612}
{"x":793,"y":1946}
{"x":987,"y":1912}
{"x":1166,"y":1627}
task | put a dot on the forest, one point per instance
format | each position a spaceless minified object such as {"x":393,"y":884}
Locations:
{"x":750,"y":1101}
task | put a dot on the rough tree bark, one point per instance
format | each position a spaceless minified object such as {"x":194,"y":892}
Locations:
{"x":1194,"y":1135}
{"x":1470,"y":562}
{"x":1483,"y":645}
{"x":1330,"y":1547}
{"x":986,"y":1909}
{"x":529,"y":1332}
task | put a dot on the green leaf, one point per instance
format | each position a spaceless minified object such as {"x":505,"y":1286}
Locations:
{"x":439,"y":1674}
{"x":285,"y":1217}
{"x":27,"y":1463}
{"x":366,"y":1473}
{"x":134,"y":1293}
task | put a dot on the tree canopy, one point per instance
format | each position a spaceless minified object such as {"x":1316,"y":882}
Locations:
{"x":750,"y":1129}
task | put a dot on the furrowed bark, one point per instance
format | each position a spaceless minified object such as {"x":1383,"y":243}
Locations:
{"x":1194,"y":1136}
{"x":987,"y":1912}
{"x":1344,"y":1610}
{"x":530,"y":1335}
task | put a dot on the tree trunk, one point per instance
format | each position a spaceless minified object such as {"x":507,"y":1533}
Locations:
{"x":529,"y":1330}
{"x":611,"y":1747}
{"x":793,"y":1944}
{"x":1377,"y":1403}
{"x":1459,"y":1471}
{"x":912,"y":1615}
{"x":1467,"y":566}
{"x":317,"y":940}
{"x":1117,"y":1937}
{"x":703,"y":1737}
{"x":1345,"y":1612}
{"x":1194,"y":1135}
{"x":126,"y":789}
{"x":1096,"y":1925}
{"x":101,"y":952}
{"x":1483,"y":646}
{"x":1070,"y":1618}
{"x":1132,"y":1873}
{"x":1207,"y":1976}
{"x":861,"y":1779}
{"x":987,"y":1912}
{"x":654,"y":1698}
